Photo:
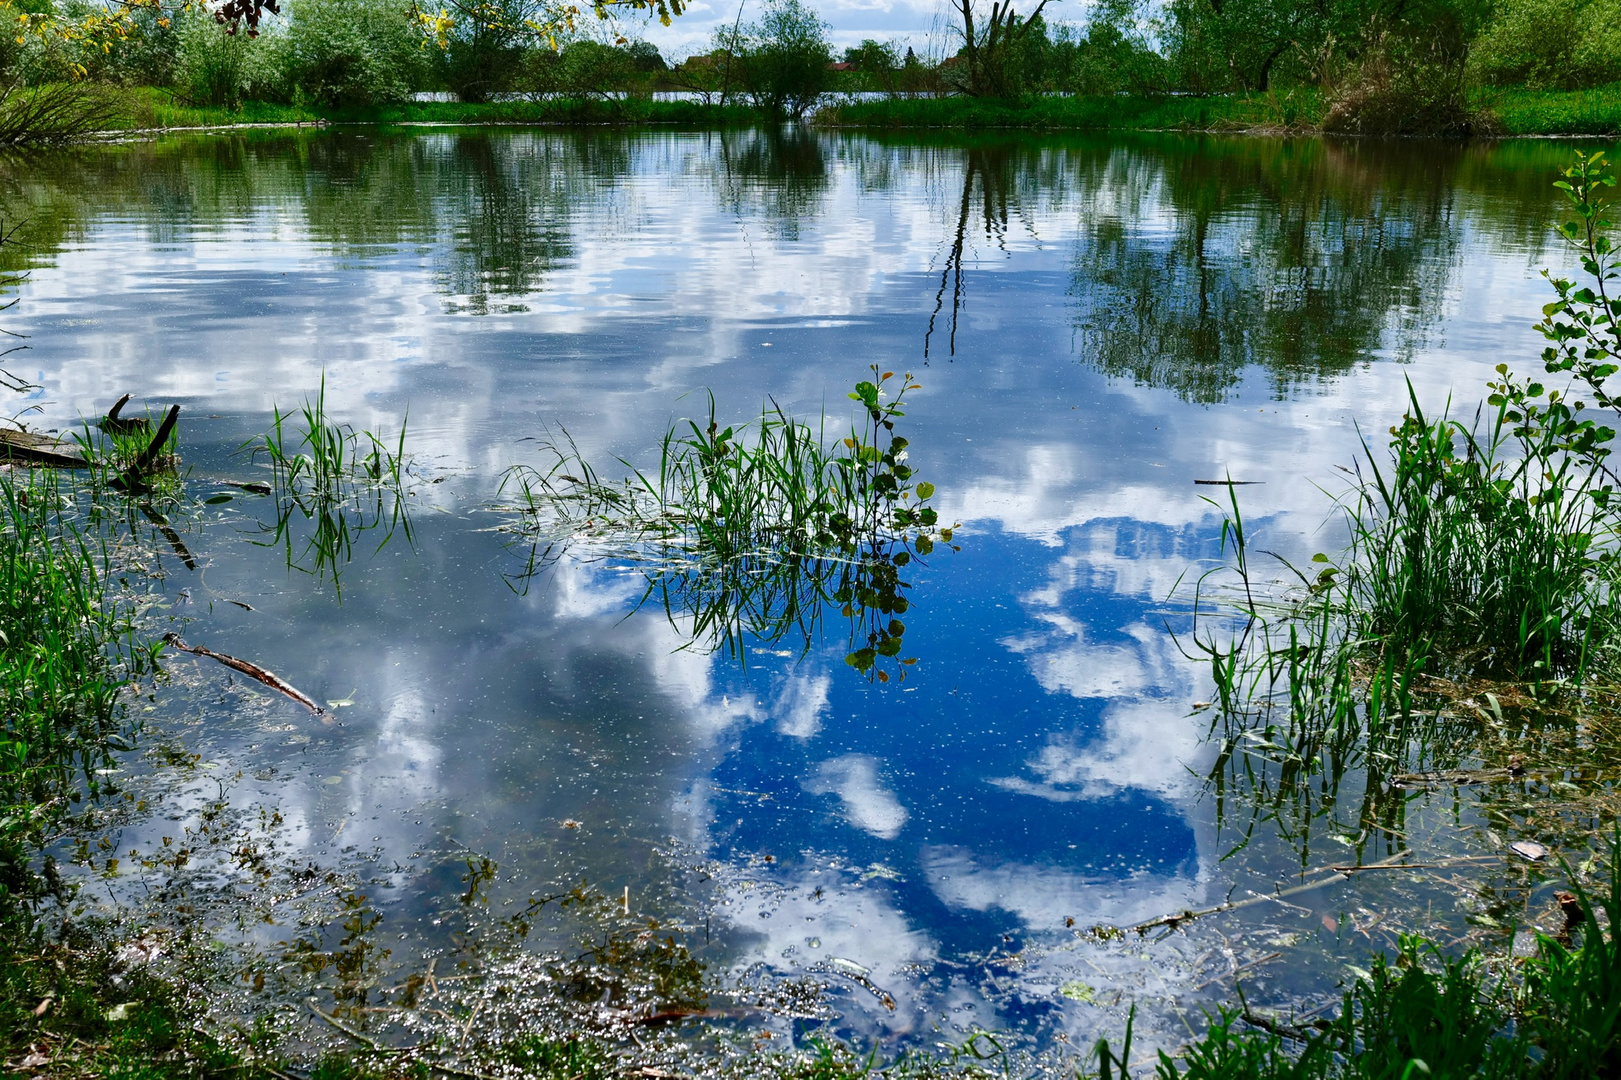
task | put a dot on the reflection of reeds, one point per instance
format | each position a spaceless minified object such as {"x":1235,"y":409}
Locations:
{"x":750,"y":531}
{"x":331,"y":485}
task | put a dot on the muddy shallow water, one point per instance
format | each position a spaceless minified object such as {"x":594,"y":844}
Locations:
{"x":1096,"y":323}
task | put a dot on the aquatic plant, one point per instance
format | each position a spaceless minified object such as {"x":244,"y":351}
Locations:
{"x":1481,"y":567}
{"x":69,"y":652}
{"x":752,"y":531}
{"x":330,"y":485}
{"x":1427,"y":1013}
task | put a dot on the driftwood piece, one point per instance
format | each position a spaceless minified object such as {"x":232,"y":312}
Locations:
{"x":143,"y":464}
{"x":114,"y":424}
{"x":253,"y":671}
{"x":133,"y":480}
{"x":19,"y":447}
{"x":31,"y":448}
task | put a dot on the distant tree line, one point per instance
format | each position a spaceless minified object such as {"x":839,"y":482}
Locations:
{"x":1417,"y":57}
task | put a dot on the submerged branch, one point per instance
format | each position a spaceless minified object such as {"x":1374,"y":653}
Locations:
{"x":253,"y":671}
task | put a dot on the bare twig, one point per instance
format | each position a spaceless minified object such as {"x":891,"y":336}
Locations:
{"x":254,"y":671}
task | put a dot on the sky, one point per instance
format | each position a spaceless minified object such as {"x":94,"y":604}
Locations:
{"x":920,"y":24}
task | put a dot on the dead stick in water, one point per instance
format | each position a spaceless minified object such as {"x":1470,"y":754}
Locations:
{"x":269,"y":678}
{"x":1339,"y":874}
{"x":143,"y":464}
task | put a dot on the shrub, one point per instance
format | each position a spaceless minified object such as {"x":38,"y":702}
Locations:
{"x":350,"y":53}
{"x":786,"y":62}
{"x":1401,"y":86}
{"x":1559,"y":44}
{"x":58,"y":113}
{"x":216,"y":68}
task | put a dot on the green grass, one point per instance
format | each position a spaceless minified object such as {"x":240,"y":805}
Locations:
{"x":1595,"y":111}
{"x":1123,"y":112}
{"x":330,"y":485}
{"x":69,"y":651}
{"x":147,"y":108}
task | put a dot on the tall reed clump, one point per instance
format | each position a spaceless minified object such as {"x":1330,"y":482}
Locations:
{"x":68,"y":653}
{"x":752,"y":530}
{"x":1482,"y":564}
{"x":1490,"y":548}
{"x":330,"y":486}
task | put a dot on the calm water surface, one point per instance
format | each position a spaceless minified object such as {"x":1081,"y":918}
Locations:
{"x":1096,"y":324}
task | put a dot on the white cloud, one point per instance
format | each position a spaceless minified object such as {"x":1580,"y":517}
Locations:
{"x":800,"y":706}
{"x":868,"y":804}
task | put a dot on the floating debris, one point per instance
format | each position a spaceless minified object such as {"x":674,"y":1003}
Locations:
{"x":1529,"y":849}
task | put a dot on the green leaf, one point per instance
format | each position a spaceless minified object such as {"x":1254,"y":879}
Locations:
{"x":215,"y":500}
{"x":925,"y":490}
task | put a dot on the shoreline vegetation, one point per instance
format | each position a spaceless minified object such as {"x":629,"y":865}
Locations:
{"x":1482,"y":556}
{"x":1453,"y":68}
{"x":1514,"y":114}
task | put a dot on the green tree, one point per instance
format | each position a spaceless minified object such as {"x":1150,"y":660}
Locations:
{"x":351,"y":53}
{"x":481,"y":57}
{"x":786,"y":61}
{"x":1561,"y":44}
{"x":1254,"y":44}
{"x":645,"y":56}
{"x":991,"y":61}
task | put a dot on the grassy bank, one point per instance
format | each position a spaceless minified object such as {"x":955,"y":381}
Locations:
{"x":147,"y":108}
{"x":1091,"y":113}
{"x":1557,"y":112}
{"x":1595,"y":111}
{"x":1517,"y":112}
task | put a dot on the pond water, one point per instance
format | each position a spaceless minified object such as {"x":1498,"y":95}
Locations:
{"x":1096,"y":324}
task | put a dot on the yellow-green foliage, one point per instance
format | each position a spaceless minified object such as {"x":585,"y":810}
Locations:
{"x":1554,"y":44}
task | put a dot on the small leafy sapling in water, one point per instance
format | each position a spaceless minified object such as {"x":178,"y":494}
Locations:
{"x":881,"y":482}
{"x":1583,"y":329}
{"x":885,"y":490}
{"x":1582,"y":325}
